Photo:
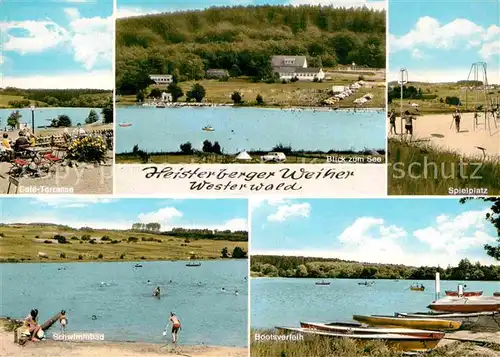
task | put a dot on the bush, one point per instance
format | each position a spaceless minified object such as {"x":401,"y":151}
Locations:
{"x":100,"y":256}
{"x":122,"y":255}
{"x":47,"y":241}
{"x":62,"y":255}
{"x":155,"y":93}
{"x":105,"y":238}
{"x":3,"y":235}
{"x":187,"y":241}
{"x":187,"y":148}
{"x":361,"y":78}
{"x":85,"y":237}
{"x":294,"y":79}
{"x":143,"y":258}
{"x":315,"y":80}
{"x":75,"y":238}
{"x":61,"y":239}
{"x":452,"y":100}
{"x":239,"y":253}
{"x":92,"y":241}
{"x":236,"y":98}
{"x":259,"y":99}
{"x":197,"y":93}
{"x":175,"y":91}
{"x":13,"y":119}
{"x":35,"y":236}
{"x":61,"y":121}
{"x":80,"y":257}
{"x":132,"y":240}
{"x":207,"y":146}
{"x":92,"y":117}
{"x":287,"y":150}
{"x":216,"y":149}
{"x":283,"y":81}
{"x":88,"y":149}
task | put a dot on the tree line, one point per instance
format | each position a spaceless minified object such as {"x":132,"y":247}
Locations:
{"x":82,"y":98}
{"x":307,"y":267}
{"x":242,"y":40}
{"x":192,"y":233}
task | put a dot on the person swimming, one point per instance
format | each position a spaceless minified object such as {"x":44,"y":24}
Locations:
{"x":156,"y":292}
{"x":236,"y":293}
{"x":94,"y":317}
{"x":223,"y":289}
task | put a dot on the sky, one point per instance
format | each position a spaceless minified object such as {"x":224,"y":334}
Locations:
{"x":56,"y":43}
{"x":106,"y":213}
{"x":415,"y":232}
{"x":437,"y":41}
{"x":128,"y":8}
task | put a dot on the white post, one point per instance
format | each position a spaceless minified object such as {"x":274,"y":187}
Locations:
{"x":460,"y":290}
{"x":403,"y":80}
{"x":438,"y":286}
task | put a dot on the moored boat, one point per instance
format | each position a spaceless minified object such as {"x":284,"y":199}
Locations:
{"x":193,"y":264}
{"x":322,"y":282}
{"x":125,"y":125}
{"x":470,"y":304}
{"x":416,"y":323}
{"x":497,"y":294}
{"x":417,"y":288}
{"x":486,"y":321}
{"x":394,"y":341}
{"x":341,"y":328}
{"x":465,"y":293}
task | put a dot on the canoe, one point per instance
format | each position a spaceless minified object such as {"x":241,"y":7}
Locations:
{"x":416,"y":323}
{"x":471,"y":304}
{"x":193,"y":264}
{"x":340,"y":328}
{"x":465,"y":293}
{"x":396,"y":342}
{"x":322,"y":283}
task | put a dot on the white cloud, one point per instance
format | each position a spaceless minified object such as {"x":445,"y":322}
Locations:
{"x":124,"y":12}
{"x":39,"y":36}
{"x":92,"y":40}
{"x":63,"y":202}
{"x":2,"y":59}
{"x":416,"y":53}
{"x":72,"y":12}
{"x":428,"y":32}
{"x":375,"y":5}
{"x":287,"y":211}
{"x":256,"y":203}
{"x":78,"y":1}
{"x":163,"y":216}
{"x":93,"y":79}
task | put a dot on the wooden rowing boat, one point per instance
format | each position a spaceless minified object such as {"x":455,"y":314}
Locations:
{"x":465,"y":293}
{"x":416,"y":323}
{"x":323,"y":283}
{"x":363,"y":330}
{"x":396,"y":342}
{"x":487,"y":321}
{"x":417,"y":288}
{"x":471,"y":304}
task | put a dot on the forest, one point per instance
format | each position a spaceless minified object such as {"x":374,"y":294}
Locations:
{"x":242,"y":40}
{"x":308,"y":267}
{"x":76,"y":98}
{"x":214,"y":234}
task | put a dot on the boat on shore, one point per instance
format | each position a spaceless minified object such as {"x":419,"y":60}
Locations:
{"x":322,"y":282}
{"x":397,"y":342}
{"x":125,"y":125}
{"x":496,"y":294}
{"x":341,"y":328}
{"x":193,"y":264}
{"x":470,"y":304}
{"x":465,"y":293}
{"x":415,"y":323}
{"x":471,"y":320}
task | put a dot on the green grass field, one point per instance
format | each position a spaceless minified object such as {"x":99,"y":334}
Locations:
{"x":453,"y":170}
{"x":5,"y":99}
{"x":469,"y":102}
{"x":20,"y":243}
{"x":277,"y":94}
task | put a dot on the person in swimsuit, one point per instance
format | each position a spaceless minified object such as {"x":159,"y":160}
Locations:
{"x":63,"y":320}
{"x":408,"y":122}
{"x":457,"y":117}
{"x":176,"y":326}
{"x":392,"y":122}
{"x":32,"y":324}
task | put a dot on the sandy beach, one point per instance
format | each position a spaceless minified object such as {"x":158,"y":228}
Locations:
{"x":110,"y":349}
{"x":436,"y":130}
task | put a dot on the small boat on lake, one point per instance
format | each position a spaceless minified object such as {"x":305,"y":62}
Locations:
{"x":342,"y":328}
{"x":138,"y":266}
{"x":367,"y":283}
{"x":466,"y":304}
{"x":322,"y":282}
{"x":417,"y":288}
{"x":193,"y":264}
{"x":207,"y":128}
{"x":394,"y":341}
{"x":465,"y":293}
{"x":416,"y":323}
{"x":125,"y":125}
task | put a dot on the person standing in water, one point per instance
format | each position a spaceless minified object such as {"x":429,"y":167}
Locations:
{"x":176,"y":326}
{"x":63,"y":320}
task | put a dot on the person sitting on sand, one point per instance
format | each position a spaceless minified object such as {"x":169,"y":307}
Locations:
{"x":176,"y":326}
{"x":392,"y":122}
{"x":457,"y":117}
{"x":63,"y":320}
{"x":32,"y":324}
{"x":408,"y":123}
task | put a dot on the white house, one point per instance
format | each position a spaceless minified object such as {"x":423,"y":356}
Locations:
{"x":166,"y":97}
{"x":161,"y":78}
{"x":289,"y":67}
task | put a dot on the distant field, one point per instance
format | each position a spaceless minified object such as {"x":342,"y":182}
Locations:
{"x":22,"y":244}
{"x":278,"y":94}
{"x":5,"y":99}
{"x":474,"y":99}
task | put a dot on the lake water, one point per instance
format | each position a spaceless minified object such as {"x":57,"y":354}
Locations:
{"x":238,"y":129}
{"x":286,"y":302}
{"x":124,"y":306}
{"x":43,"y":116}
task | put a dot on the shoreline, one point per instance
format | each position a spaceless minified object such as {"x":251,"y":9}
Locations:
{"x":48,"y":261}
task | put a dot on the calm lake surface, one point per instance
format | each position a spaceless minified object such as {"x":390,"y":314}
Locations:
{"x":238,"y":129}
{"x":125,"y":307}
{"x":43,"y":116}
{"x":286,"y":302}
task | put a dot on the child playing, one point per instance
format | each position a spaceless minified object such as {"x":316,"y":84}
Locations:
{"x":63,"y":320}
